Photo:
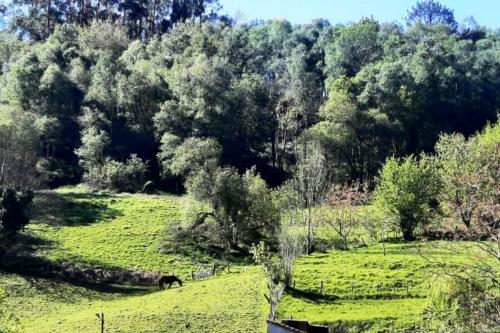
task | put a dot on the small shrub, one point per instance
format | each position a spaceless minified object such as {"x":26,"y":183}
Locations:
{"x":117,"y":176}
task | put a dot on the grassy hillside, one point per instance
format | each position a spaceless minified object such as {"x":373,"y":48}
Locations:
{"x":364,"y":289}
{"x":229,"y":303}
{"x":114,"y":231}
{"x":124,"y":231}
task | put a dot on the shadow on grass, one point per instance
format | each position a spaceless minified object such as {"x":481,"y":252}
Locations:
{"x":71,"y":209}
{"x":312,"y":296}
{"x":317,"y":298}
{"x":50,"y":286}
{"x":44,"y":276}
{"x":26,"y":243}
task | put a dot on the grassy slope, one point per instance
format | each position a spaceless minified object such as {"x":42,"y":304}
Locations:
{"x":112,"y":231}
{"x":366,"y":267}
{"x":229,"y":303}
{"x":125,"y":231}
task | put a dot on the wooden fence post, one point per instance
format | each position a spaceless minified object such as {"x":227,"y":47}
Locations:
{"x":321,"y":288}
{"x":101,"y":317}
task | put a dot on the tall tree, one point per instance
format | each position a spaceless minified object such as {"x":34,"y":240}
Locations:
{"x":142,"y":19}
{"x":431,"y":12}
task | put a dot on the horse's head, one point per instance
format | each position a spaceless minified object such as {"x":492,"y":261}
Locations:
{"x":180,"y":281}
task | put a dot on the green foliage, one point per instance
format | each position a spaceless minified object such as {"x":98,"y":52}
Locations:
{"x":273,"y":271}
{"x":193,"y":155}
{"x":351,"y":134}
{"x":490,"y":136}
{"x":242,"y":205}
{"x":353,"y":48}
{"x":366,"y":90}
{"x":470,"y":173}
{"x":408,"y":190}
{"x":137,"y":19}
{"x":460,"y":161}
{"x":18,"y":149}
{"x":263,"y":256}
{"x":462,"y":304}
{"x":431,"y":12}
{"x":10,"y":47}
{"x":102,"y":36}
{"x":128,"y":176}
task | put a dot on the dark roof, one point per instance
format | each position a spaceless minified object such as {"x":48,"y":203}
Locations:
{"x":301,"y":326}
{"x":285,"y":326}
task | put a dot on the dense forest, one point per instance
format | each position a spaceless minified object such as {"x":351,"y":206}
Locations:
{"x":114,"y":93}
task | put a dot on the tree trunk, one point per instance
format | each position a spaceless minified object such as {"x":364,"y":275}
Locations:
{"x":346,"y":247}
{"x":407,"y":230}
{"x":466,"y":218}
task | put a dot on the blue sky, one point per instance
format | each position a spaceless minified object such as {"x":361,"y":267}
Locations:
{"x":486,"y":12}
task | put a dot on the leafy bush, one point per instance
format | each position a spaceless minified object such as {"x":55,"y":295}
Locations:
{"x":117,"y":176}
{"x":470,"y":169}
{"x":408,"y":191}
{"x":19,"y":145}
{"x":192,"y":155}
{"x":241,"y":205}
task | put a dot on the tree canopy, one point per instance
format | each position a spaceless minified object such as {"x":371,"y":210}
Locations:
{"x":88,"y":89}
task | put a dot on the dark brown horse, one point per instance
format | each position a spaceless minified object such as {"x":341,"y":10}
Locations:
{"x":168,"y":280}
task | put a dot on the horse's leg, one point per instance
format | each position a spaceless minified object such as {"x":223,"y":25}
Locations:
{"x":160,"y":285}
{"x":170,"y":285}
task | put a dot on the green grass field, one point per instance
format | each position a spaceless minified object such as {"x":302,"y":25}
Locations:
{"x":114,"y":231}
{"x":228,"y":303}
{"x":363,"y":289}
{"x":125,"y":231}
